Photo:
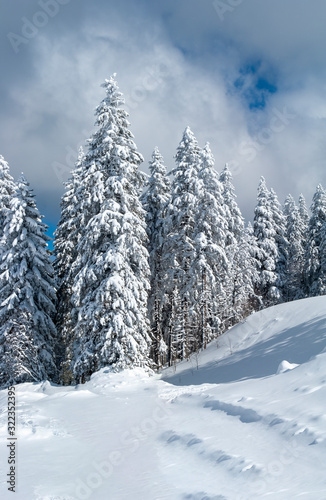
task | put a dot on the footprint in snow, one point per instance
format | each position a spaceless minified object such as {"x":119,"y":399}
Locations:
{"x":247,"y":416}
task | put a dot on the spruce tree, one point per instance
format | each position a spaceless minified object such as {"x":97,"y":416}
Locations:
{"x":67,"y":236}
{"x":295,"y":235}
{"x":110,"y":326}
{"x":235,"y":219}
{"x":313,"y":279}
{"x":303,"y":212}
{"x":27,"y":294}
{"x":320,"y":287}
{"x":20,"y":360}
{"x":245,"y":276}
{"x":234,"y":233}
{"x":268,"y":253}
{"x":180,"y":277}
{"x":154,"y":201}
{"x":7,"y":190}
{"x":304,"y":223}
{"x":279,"y":223}
{"x":211,"y":261}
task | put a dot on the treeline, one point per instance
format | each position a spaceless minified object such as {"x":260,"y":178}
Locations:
{"x":147,"y":269}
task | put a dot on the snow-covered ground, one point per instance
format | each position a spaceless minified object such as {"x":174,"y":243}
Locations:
{"x":244,"y":420}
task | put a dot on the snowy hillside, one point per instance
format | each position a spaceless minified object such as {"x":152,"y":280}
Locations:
{"x":243,"y":421}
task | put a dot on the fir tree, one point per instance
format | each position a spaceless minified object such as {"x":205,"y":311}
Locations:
{"x":7,"y":190}
{"x":211,"y":261}
{"x":234,"y":217}
{"x":320,"y":286}
{"x":279,"y":223}
{"x":245,"y":276}
{"x":303,"y":212}
{"x":20,"y":360}
{"x":234,"y":232}
{"x":304,"y":222}
{"x":27,"y":294}
{"x":67,"y":236}
{"x":155,"y":201}
{"x":111,"y":269}
{"x":295,"y":235}
{"x":179,"y":252}
{"x":313,"y":279}
{"x":268,"y":253}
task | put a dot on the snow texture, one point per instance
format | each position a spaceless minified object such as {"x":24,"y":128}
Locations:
{"x":224,"y":425}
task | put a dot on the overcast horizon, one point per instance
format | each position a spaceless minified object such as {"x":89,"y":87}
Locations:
{"x":245,"y":75}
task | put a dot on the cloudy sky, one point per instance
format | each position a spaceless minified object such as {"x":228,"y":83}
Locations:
{"x":249,"y":76}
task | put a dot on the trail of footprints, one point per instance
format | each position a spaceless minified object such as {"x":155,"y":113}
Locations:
{"x":216,"y":457}
{"x":288,"y":431}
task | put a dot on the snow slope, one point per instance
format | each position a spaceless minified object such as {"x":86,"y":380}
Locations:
{"x":243,"y":421}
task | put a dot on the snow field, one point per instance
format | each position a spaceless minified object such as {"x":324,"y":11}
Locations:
{"x":248,"y":424}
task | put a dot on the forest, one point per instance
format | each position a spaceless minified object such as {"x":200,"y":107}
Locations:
{"x":146,"y":269}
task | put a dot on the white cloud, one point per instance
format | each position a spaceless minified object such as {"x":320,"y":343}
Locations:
{"x":175,"y":63}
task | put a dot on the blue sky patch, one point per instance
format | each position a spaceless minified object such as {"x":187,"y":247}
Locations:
{"x":255,"y":86}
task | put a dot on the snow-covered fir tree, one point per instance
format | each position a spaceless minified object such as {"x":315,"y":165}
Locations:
{"x":304,"y":224}
{"x":89,"y":196}
{"x":20,"y":360}
{"x":67,"y":236}
{"x":179,"y":252}
{"x":7,"y":190}
{"x":279,"y":223}
{"x":268,"y":253}
{"x":314,"y":281}
{"x":245,"y":276}
{"x":155,"y":201}
{"x":111,"y":271}
{"x":235,"y":219}
{"x":234,"y":233}
{"x":295,"y":236}
{"x":303,"y":212}
{"x":211,"y":263}
{"x":27,"y":294}
{"x":320,"y":287}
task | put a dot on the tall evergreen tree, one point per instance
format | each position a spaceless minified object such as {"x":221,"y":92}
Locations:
{"x":20,"y":360}
{"x":279,"y":223}
{"x":304,"y":223}
{"x":67,"y":236}
{"x":27,"y":294}
{"x":155,"y":200}
{"x":111,"y":269}
{"x":313,"y":280}
{"x":234,"y":233}
{"x":245,"y":276}
{"x":303,"y":212}
{"x":268,"y":253}
{"x":179,"y":252}
{"x":234,"y":216}
{"x":295,"y":235}
{"x":7,"y":190}
{"x":320,"y":287}
{"x":211,"y":227}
